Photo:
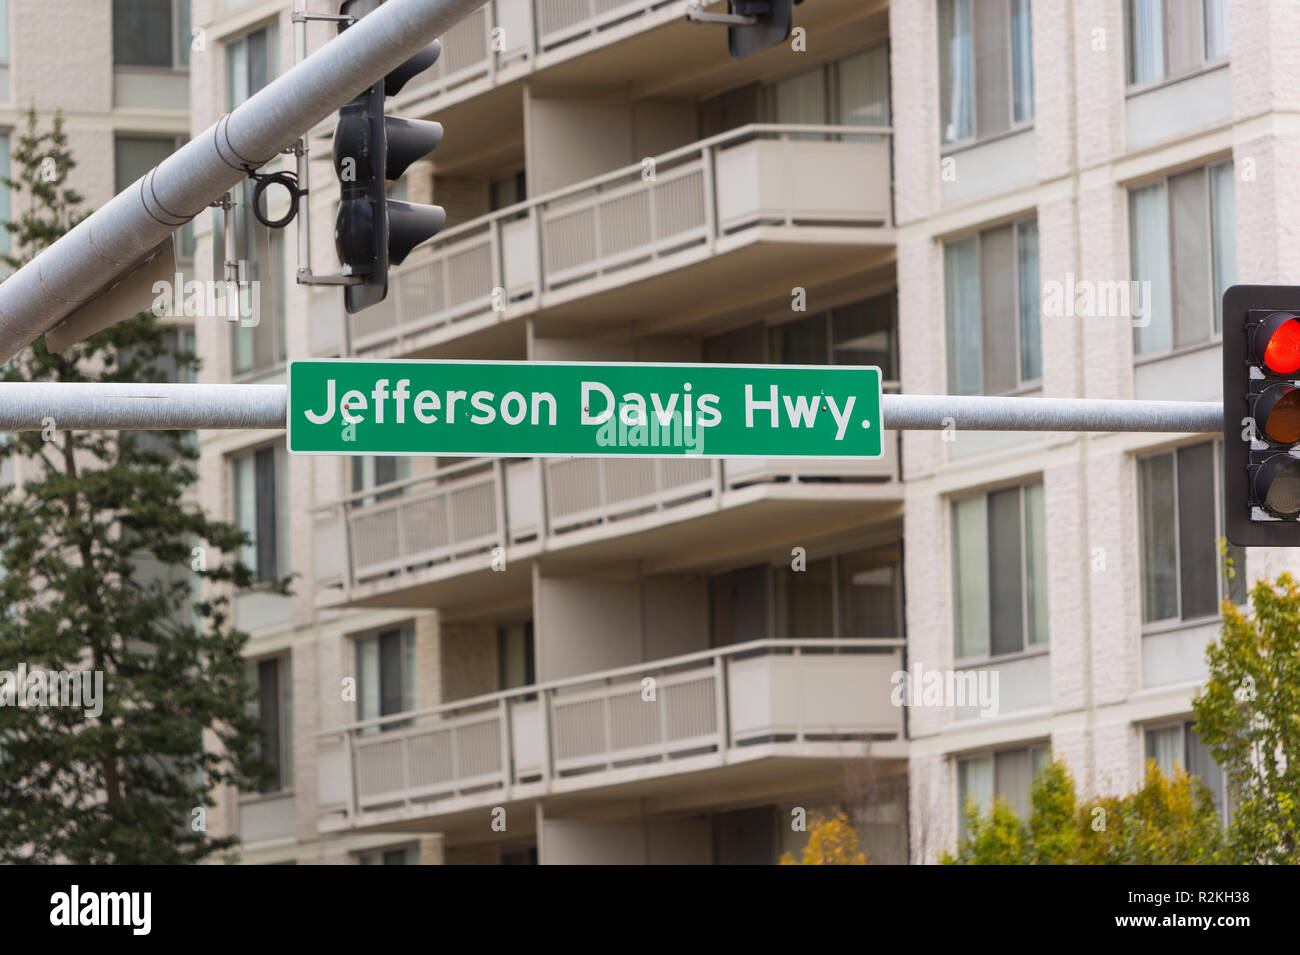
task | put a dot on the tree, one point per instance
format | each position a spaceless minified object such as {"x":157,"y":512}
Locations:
{"x":1248,"y":715}
{"x":1170,"y":820}
{"x":832,"y":840}
{"x":99,"y":551}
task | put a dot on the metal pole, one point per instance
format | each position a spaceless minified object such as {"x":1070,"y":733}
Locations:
{"x":76,"y":406}
{"x":106,"y":245}
{"x":979,"y":413}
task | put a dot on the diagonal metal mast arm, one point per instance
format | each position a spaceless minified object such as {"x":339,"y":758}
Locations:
{"x":106,"y":245}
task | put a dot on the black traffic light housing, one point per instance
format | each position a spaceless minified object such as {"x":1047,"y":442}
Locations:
{"x":1261,"y":415}
{"x":371,"y":231}
{"x":772,"y":25}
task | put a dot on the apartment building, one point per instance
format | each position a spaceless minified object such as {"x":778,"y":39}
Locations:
{"x":672,"y":660}
{"x":561,"y":660}
{"x":119,"y":72}
{"x":1047,"y":155}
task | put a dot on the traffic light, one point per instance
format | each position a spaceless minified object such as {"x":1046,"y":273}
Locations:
{"x":1261,"y":415}
{"x":772,"y":19}
{"x":372,"y":231}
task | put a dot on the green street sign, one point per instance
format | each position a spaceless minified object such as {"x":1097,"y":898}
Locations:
{"x":583,"y":409}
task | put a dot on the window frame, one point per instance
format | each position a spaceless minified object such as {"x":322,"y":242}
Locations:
{"x":1014,"y":126}
{"x":1205,"y":65}
{"x":1027,"y":649}
{"x":831,"y":89}
{"x":271,"y":28}
{"x":284,"y":785}
{"x":1185,"y":726}
{"x":1167,"y":624}
{"x":408,"y":682}
{"x":1215,"y":338}
{"x":180,"y":16}
{"x":1030,"y":748}
{"x":280,"y":467}
{"x":1024,"y":386}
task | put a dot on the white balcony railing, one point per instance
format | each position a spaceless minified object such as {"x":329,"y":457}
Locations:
{"x":397,"y":529}
{"x":512,"y":33}
{"x":795,"y":692}
{"x":627,"y":219}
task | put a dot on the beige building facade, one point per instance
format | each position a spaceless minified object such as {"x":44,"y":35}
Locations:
{"x":679,"y":660}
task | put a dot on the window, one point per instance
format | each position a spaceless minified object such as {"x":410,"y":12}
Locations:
{"x":986,"y":70}
{"x":4,"y":36}
{"x":999,"y":570}
{"x":1177,"y":745}
{"x":991,"y":299}
{"x":252,"y":61}
{"x":853,"y":91}
{"x":1173,"y":37}
{"x":273,"y":705}
{"x":261,"y":509}
{"x":386,"y":675}
{"x":1180,"y":516}
{"x":507,"y":190}
{"x":1008,"y":774}
{"x":861,"y":333}
{"x":153,"y":33}
{"x":405,"y":855}
{"x":1181,"y":238}
{"x":515,"y":655}
{"x":258,"y":341}
{"x":374,"y":472}
{"x":133,"y":156}
{"x":850,"y":595}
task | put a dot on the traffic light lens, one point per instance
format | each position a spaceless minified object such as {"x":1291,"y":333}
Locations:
{"x":1278,"y":485}
{"x":1282,"y":353}
{"x":1283,"y":423}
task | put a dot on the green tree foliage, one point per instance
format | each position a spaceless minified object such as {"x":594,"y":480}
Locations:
{"x":1248,"y":715}
{"x":99,"y":551}
{"x":1169,"y":821}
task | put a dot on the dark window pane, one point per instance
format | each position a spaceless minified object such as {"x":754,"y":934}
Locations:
{"x":863,"y":334}
{"x":1159,"y":559}
{"x":1031,"y":336}
{"x":268,"y":686}
{"x":739,"y":606}
{"x":1006,"y":603}
{"x":999,"y":290}
{"x":803,"y":601}
{"x":1197,"y":546}
{"x":741,"y":346}
{"x":992,"y":67}
{"x":142,"y":32}
{"x":801,"y":342}
{"x":390,"y":672}
{"x":870,"y":582}
{"x":1201,"y":763}
{"x":133,"y":156}
{"x":265,"y":490}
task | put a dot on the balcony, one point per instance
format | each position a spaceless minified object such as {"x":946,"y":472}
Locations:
{"x":662,"y":244}
{"x":429,"y":540}
{"x":801,"y":702}
{"x":615,"y":42}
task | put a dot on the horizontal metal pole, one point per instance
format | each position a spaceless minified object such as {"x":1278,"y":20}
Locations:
{"x":980,"y":413}
{"x":76,"y":406}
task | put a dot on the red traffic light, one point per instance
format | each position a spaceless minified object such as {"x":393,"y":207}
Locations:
{"x":1276,"y":343}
